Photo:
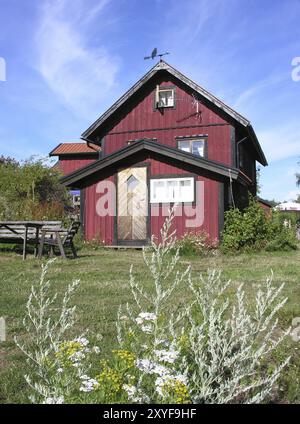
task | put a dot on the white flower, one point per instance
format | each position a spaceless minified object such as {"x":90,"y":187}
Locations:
{"x":96,"y":349}
{"x":167,"y":355}
{"x":163,"y":342}
{"x":60,"y":370}
{"x":149,"y":367}
{"x":54,"y":400}
{"x":88,"y":384}
{"x":130,"y":390}
{"x":148,"y":316}
{"x":82,"y":340}
{"x":147,"y":328}
{"x":145,"y":316}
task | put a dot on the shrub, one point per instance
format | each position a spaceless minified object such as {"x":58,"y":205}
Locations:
{"x":252,"y":230}
{"x":196,"y":244}
{"x":209,"y":350}
{"x":31,"y":190}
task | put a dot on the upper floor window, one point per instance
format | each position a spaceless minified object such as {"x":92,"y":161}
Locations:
{"x":164,"y":97}
{"x":196,"y":146}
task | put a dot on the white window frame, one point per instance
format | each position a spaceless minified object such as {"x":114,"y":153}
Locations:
{"x":176,"y":198}
{"x":191,"y":141}
{"x":163,"y":90}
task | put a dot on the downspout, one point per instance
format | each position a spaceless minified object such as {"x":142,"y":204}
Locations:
{"x":88,"y":142}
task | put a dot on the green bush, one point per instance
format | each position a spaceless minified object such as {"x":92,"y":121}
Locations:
{"x":252,"y":230}
{"x":195,"y":244}
{"x":31,"y":190}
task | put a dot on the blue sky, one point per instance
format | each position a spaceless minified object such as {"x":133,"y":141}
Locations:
{"x":67,"y":61}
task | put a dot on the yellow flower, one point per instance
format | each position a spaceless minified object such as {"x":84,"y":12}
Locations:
{"x":176,"y":390}
{"x":126,"y":356}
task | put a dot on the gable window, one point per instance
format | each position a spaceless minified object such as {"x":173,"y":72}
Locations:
{"x":172,"y":190}
{"x":196,"y":146}
{"x":164,"y":97}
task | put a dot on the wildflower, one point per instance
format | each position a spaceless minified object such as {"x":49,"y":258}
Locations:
{"x":147,"y":328}
{"x":130,"y":390}
{"x":167,"y":355}
{"x":145,"y":365}
{"x":88,"y":384}
{"x":126,"y":356}
{"x":145,"y":316}
{"x":60,"y":370}
{"x":54,"y":400}
{"x":174,"y":386}
{"x":96,"y":349}
{"x":150,"y":367}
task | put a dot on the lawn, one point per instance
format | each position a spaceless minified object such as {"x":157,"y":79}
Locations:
{"x":104,"y":286}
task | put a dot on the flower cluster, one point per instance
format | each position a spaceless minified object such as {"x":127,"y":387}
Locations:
{"x":72,"y":352}
{"x":175,"y":388}
{"x":54,"y":400}
{"x":88,"y":384}
{"x":146,"y":320}
{"x":166,"y":355}
{"x":109,"y":380}
{"x":126,"y":357}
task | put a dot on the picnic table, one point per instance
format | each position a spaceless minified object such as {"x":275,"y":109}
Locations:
{"x":24,"y":232}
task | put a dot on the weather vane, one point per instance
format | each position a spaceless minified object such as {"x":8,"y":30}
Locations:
{"x":154,"y":54}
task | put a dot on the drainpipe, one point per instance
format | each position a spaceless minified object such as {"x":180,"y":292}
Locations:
{"x":237,"y":150}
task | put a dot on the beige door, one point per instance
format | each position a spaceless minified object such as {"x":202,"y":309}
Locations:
{"x":132,"y":204}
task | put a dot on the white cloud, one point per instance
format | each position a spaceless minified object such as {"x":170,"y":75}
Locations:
{"x":250,"y":95}
{"x":79,"y":74}
{"x":292,"y":195}
{"x":280,"y":142}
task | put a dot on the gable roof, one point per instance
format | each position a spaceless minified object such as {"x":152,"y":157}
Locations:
{"x":163,"y":66}
{"x":143,"y":149}
{"x":75,"y":149}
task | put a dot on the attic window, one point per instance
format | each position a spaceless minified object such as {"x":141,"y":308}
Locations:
{"x":165,"y":97}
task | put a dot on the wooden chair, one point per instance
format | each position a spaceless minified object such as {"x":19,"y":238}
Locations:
{"x":60,"y":238}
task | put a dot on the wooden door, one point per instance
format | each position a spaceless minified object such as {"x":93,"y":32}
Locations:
{"x":132,"y":204}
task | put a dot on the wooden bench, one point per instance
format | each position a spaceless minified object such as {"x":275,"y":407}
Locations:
{"x":59,"y":238}
{"x":25,"y":232}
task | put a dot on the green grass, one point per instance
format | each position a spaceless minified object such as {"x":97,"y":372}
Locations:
{"x":104,"y":286}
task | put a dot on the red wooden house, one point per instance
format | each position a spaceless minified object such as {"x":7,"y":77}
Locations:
{"x":165,"y":141}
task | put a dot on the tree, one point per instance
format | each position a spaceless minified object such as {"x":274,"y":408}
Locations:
{"x":30,"y":190}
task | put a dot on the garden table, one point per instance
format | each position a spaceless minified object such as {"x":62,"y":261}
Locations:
{"x":16,"y":231}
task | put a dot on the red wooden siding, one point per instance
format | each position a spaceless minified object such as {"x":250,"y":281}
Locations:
{"x":103,"y":228}
{"x":69,"y":165}
{"x":96,"y":227}
{"x":151,"y":124}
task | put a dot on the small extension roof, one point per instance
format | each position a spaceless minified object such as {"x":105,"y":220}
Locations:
{"x":75,"y":149}
{"x":165,"y":67}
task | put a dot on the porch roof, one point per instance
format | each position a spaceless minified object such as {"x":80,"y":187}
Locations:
{"x":141,"y":150}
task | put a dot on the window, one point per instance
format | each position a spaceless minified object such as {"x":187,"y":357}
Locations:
{"x":172,"y":190}
{"x":165,"y":97}
{"x":195,"y":146}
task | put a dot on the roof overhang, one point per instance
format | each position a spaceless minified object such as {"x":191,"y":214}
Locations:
{"x":141,"y":151}
{"x":162,"y":66}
